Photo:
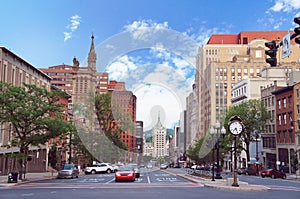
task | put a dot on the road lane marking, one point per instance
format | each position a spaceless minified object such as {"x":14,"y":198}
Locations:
{"x":110,"y":181}
{"x":148,"y":178}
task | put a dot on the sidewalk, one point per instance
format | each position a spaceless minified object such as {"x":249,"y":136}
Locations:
{"x":224,"y":184}
{"x":30,"y":177}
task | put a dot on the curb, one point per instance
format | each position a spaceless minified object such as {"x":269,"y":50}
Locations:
{"x":222,"y":184}
{"x":249,"y":188}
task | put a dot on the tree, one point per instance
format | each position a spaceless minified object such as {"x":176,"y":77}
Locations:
{"x":53,"y":156}
{"x":295,"y":163}
{"x":34,"y":114}
{"x":201,"y":151}
{"x":106,"y":119}
{"x":254,"y":116}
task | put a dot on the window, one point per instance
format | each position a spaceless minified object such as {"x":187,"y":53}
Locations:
{"x":279,"y":119}
{"x":284,"y":118}
{"x":258,"y":54}
{"x":290,"y":101}
{"x":284,"y":102}
{"x":278,"y":104}
{"x":297,"y":93}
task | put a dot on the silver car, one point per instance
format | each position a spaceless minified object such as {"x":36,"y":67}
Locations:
{"x":69,"y":171}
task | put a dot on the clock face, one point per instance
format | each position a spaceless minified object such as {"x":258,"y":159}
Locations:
{"x":235,"y":127}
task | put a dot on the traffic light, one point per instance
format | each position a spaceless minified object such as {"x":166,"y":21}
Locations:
{"x":297,"y":29}
{"x":271,"y":53}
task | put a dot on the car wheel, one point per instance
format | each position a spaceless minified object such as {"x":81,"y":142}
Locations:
{"x":93,"y":172}
{"x":263,"y":176}
{"x":108,"y":171}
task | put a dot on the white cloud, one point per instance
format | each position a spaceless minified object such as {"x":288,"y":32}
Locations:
{"x":142,"y":30}
{"x":153,"y":99}
{"x":72,"y":27}
{"x":285,"y":5}
{"x":67,"y":36}
{"x":121,"y":68}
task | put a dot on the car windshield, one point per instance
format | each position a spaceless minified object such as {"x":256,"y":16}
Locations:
{"x":127,"y":168}
{"x":133,"y":165}
{"x":68,"y":167}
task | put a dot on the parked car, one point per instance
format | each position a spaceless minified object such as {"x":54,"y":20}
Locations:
{"x":99,"y":168}
{"x":68,"y":171}
{"x":273,"y":173}
{"x":125,"y":173}
{"x":247,"y":171}
{"x":136,"y":169}
{"x":149,"y":165}
{"x":163,"y":166}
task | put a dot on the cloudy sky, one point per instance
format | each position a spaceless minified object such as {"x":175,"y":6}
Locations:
{"x":149,"y":44}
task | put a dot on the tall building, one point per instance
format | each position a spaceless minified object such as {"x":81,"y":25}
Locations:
{"x":83,"y":82}
{"x":191,"y":117}
{"x":250,"y":88}
{"x":269,"y":151}
{"x":159,"y":141}
{"x":139,"y":136}
{"x":227,"y":59}
{"x":124,"y":113}
{"x":287,"y":118}
{"x":15,"y":70}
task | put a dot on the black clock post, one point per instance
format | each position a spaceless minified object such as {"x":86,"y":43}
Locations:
{"x":235,"y":127}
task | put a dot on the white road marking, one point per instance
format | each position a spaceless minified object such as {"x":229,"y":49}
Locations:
{"x":148,"y":178}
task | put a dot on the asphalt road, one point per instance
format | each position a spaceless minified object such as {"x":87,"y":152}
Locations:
{"x":152,"y":184}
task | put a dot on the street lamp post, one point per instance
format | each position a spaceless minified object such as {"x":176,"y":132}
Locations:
{"x":212,"y":133}
{"x":257,"y":158}
{"x":70,"y":148}
{"x":223,"y":131}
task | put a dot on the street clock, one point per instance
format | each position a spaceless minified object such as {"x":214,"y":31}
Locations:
{"x":235,"y":127}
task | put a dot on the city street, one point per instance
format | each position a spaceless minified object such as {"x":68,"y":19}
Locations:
{"x":152,"y":184}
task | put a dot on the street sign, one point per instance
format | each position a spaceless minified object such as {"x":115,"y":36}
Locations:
{"x":286,"y":43}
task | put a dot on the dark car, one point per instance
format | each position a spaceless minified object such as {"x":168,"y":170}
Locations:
{"x":68,"y":171}
{"x":273,"y":173}
{"x":247,"y":171}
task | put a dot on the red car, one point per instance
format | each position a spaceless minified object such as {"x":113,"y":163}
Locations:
{"x":125,"y":173}
{"x":273,"y":173}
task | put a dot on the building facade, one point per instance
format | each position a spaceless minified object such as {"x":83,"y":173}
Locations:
{"x":227,"y":59}
{"x":15,"y":70}
{"x":159,"y":140}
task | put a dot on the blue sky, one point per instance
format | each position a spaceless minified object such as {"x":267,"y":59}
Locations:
{"x":47,"y":33}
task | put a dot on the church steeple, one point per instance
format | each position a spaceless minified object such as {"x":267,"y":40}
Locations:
{"x":92,"y":57}
{"x":158,"y":124}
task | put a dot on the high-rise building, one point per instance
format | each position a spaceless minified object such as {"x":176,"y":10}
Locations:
{"x":227,"y":59}
{"x":139,"y":136}
{"x":159,"y":141}
{"x":124,"y":113}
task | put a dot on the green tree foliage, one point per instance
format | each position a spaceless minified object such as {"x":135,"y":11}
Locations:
{"x":107,"y":121}
{"x":201,"y":151}
{"x":34,"y":114}
{"x":254,"y":115}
